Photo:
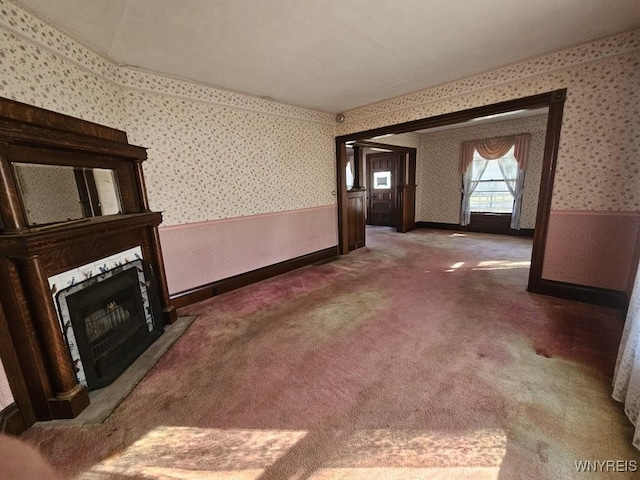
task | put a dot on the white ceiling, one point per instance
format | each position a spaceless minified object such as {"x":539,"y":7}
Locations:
{"x":331,"y":55}
{"x":499,"y":117}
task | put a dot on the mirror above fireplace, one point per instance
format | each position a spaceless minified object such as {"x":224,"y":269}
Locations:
{"x":53,"y":194}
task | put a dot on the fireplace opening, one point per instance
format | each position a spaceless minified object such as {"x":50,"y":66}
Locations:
{"x":109,"y":320}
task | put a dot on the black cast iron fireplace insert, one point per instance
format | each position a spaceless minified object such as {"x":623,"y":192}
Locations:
{"x":111,"y":319}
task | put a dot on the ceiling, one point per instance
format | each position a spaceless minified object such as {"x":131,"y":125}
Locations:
{"x":498,"y":117}
{"x":331,"y":55}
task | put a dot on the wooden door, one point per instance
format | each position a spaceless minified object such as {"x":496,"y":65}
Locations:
{"x":381,"y":188}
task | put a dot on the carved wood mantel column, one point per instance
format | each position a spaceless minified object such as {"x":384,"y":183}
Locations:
{"x":141,"y":186}
{"x":10,"y":210}
{"x":69,"y":398}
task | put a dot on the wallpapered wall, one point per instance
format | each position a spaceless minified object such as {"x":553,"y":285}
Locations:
{"x":6,"y":397}
{"x":598,"y":163}
{"x":212,"y":154}
{"x":211,"y":162}
{"x":438,"y":169}
{"x":598,"y":137}
{"x":49,"y":193}
{"x":211,"y":139}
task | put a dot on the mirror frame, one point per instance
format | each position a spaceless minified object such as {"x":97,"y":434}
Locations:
{"x":80,"y":200}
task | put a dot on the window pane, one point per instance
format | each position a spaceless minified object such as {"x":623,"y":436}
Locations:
{"x":381,"y":180}
{"x":491,"y":201}
{"x":492,"y":194}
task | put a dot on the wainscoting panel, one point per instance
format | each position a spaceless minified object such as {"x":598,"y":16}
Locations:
{"x":592,"y":248}
{"x":201,"y":253}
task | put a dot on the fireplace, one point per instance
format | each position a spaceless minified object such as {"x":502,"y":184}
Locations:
{"x":72,"y":193}
{"x":108,"y":320}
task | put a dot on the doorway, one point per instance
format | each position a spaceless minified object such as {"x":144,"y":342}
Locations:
{"x":554,"y":101}
{"x":381,"y":174}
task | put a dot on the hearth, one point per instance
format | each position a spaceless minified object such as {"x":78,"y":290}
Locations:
{"x":109,"y":320}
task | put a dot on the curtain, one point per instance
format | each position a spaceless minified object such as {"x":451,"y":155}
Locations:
{"x":514,"y":178}
{"x":626,"y":379}
{"x":492,"y":149}
{"x":350,"y":174}
{"x":470,"y":179}
{"x":521,"y":153}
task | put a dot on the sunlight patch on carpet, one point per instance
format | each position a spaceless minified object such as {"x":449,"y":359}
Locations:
{"x":186,"y":453}
{"x":454,"y":267}
{"x":501,"y":265}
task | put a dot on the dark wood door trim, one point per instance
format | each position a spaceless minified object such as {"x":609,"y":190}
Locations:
{"x":552,"y":141}
{"x":343,"y":218}
{"x":371,"y":191}
{"x":554,"y":100}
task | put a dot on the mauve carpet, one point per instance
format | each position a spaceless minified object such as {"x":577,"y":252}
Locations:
{"x":419,"y":356}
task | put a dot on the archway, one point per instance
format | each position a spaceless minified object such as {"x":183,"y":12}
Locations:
{"x":554,"y":101}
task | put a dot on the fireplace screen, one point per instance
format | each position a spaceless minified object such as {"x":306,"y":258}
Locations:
{"x":110,"y":319}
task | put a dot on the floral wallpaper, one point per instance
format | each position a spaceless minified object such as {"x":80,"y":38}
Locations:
{"x":608,"y":47}
{"x":597,"y":159}
{"x":165,"y":85}
{"x":6,"y":396}
{"x":29,"y":27}
{"x":438,"y":168}
{"x":213,"y":154}
{"x":209,"y":162}
{"x":49,"y":193}
{"x":216,"y":154}
{"x":32,"y":74}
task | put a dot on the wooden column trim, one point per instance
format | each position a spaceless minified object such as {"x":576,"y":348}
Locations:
{"x":68,"y":397}
{"x":23,"y":335}
{"x":413,"y":154}
{"x":140,"y":184}
{"x":358,"y":162}
{"x":549,"y":160}
{"x":169,"y":312}
{"x":15,"y":376}
{"x":343,"y":227}
{"x":10,"y":208}
{"x":63,"y":380}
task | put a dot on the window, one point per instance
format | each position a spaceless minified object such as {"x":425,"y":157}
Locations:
{"x":493,"y":176}
{"x":381,"y":180}
{"x":350,"y":178}
{"x":492,"y":194}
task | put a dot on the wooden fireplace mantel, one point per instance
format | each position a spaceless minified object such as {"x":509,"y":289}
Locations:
{"x":41,"y":369}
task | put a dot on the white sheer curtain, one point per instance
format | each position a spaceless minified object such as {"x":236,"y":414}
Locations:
{"x":494,"y":149}
{"x":350,"y":174}
{"x":514,"y":178}
{"x":470,"y":180}
{"x":626,"y":379}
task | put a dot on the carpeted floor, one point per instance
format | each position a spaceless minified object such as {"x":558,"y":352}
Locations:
{"x":419,"y":356}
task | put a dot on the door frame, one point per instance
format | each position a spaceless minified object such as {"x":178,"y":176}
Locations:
{"x":392,"y":188}
{"x":405,"y":170}
{"x":554,"y":100}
